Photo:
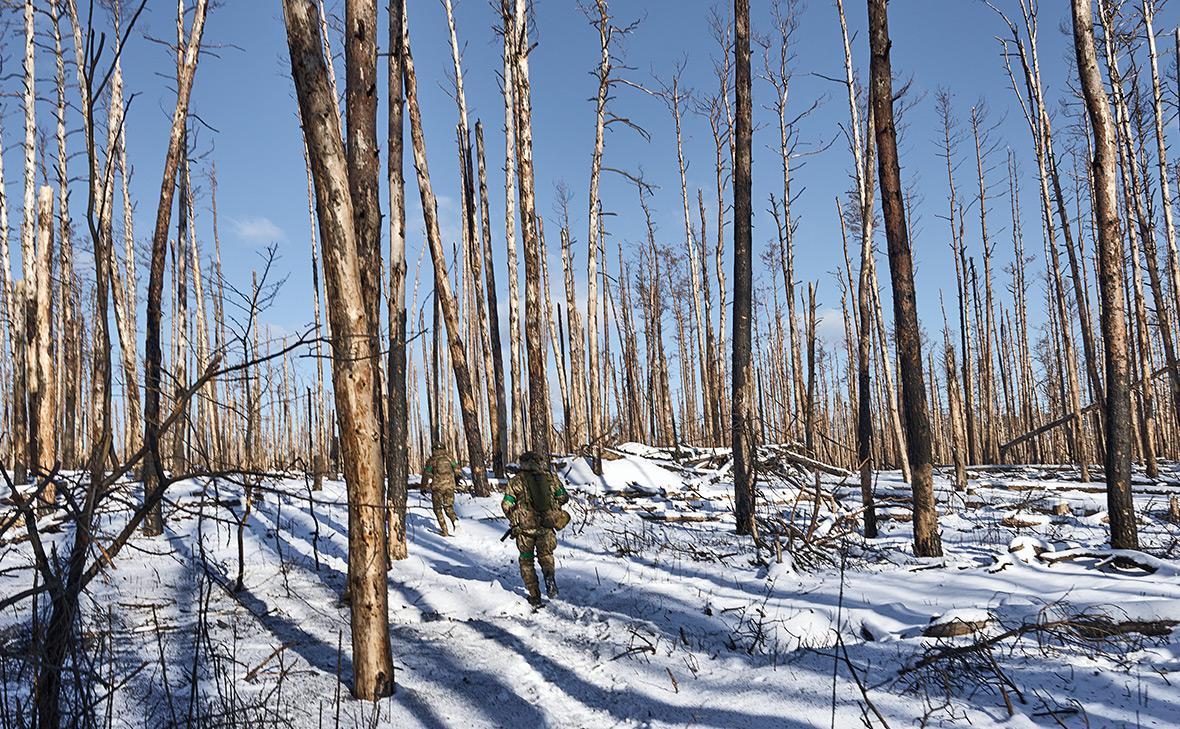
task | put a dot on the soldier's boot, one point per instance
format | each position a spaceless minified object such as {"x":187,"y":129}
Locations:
{"x":442,"y":523}
{"x":547,"y":569}
{"x":528,"y":573}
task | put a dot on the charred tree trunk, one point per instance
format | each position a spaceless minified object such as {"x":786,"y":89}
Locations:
{"x":397,"y":456}
{"x":153,"y":469}
{"x":742,"y":422}
{"x":927,"y":542}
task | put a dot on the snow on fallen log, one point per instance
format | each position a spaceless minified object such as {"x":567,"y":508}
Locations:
{"x":955,"y":623}
{"x":629,"y":473}
{"x":1154,"y":565}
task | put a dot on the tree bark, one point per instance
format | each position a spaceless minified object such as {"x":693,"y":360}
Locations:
{"x":864,"y":350}
{"x":442,"y":283}
{"x":500,"y":434}
{"x":352,"y":356}
{"x":1123,"y":530}
{"x":927,"y":542}
{"x":397,"y":455}
{"x":742,"y":425}
{"x":153,"y":473}
{"x":42,"y":405}
{"x":539,"y":416}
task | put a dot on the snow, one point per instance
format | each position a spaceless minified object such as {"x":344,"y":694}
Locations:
{"x":961,"y":615}
{"x":660,"y":623}
{"x":628,"y":473}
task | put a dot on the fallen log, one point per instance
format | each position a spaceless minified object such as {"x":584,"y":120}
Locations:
{"x":810,"y":464}
{"x":1066,"y":419}
{"x":1145,"y":562}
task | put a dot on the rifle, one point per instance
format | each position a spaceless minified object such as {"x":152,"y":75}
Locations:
{"x":510,"y":532}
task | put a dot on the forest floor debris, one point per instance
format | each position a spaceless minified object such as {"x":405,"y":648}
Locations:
{"x":665,"y":617}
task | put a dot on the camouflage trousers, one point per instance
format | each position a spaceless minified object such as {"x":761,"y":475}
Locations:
{"x":536,"y":542}
{"x":444,"y":506}
{"x":539,"y":544}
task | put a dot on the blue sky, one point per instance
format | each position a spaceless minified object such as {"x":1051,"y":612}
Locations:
{"x":244,"y":99}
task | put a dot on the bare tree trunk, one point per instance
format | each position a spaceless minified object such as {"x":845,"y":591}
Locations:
{"x":500,"y":434}
{"x":1162,"y":161}
{"x":864,"y":296}
{"x":477,"y":311}
{"x":596,"y":419}
{"x":65,"y":384}
{"x":12,"y":306}
{"x":1137,"y":209}
{"x":123,"y":287}
{"x":927,"y":542}
{"x":1123,"y":530}
{"x":957,"y":416}
{"x":517,"y":35}
{"x":397,"y":466}
{"x":986,"y":370}
{"x":518,"y":408}
{"x":673,"y":98}
{"x":743,"y":312}
{"x":553,"y":342}
{"x":362,"y":155}
{"x":577,"y":380}
{"x":153,"y":473}
{"x":467,"y":401}
{"x":21,"y":367}
{"x":352,"y":356}
{"x":320,"y":457}
{"x":42,"y":405}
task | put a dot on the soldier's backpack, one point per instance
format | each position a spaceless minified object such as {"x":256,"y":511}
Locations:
{"x":540,"y":490}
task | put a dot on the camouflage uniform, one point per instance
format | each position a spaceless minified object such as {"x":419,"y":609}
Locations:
{"x":534,"y":524}
{"x":439,"y":475}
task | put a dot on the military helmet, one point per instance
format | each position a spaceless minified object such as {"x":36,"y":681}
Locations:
{"x":438,"y":448}
{"x":531,"y":461}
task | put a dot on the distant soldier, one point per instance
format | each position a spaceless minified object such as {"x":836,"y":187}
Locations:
{"x":532,"y":502}
{"x":439,"y":476}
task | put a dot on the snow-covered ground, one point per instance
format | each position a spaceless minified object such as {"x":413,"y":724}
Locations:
{"x":665,"y":618}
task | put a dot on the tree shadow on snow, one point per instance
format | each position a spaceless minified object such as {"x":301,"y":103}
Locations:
{"x":620,"y":704}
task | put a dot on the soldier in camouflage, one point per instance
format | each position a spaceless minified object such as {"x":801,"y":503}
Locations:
{"x":439,"y":476}
{"x":532,"y":502}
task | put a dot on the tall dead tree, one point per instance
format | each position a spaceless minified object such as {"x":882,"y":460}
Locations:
{"x":397,"y":455}
{"x":19,"y":321}
{"x":482,"y":331}
{"x":362,"y":155}
{"x":516,"y":34}
{"x":42,"y":392}
{"x":863,"y":164}
{"x":1123,"y":530}
{"x":442,"y":283}
{"x":67,"y":328}
{"x":153,"y":469}
{"x":516,"y":437}
{"x":595,"y":416}
{"x":353,"y":380}
{"x":927,"y":542}
{"x":742,"y":422}
{"x":13,"y":394}
{"x":500,"y":431}
{"x":1162,"y":158}
{"x":674,"y":97}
